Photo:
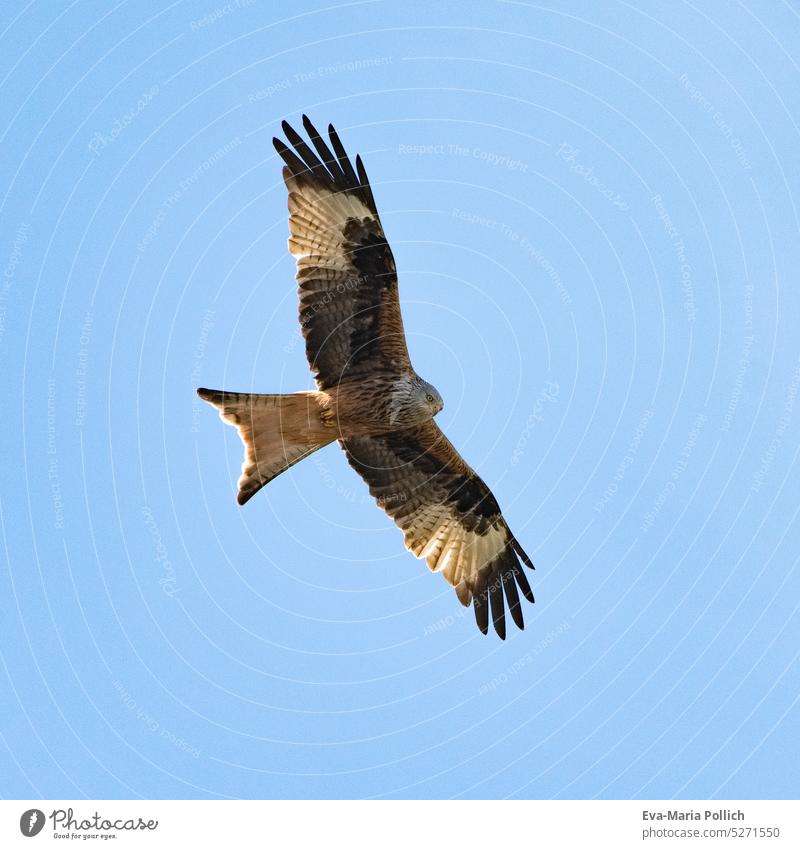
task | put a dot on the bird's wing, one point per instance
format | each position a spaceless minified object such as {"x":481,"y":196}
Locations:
{"x":347,"y":280}
{"x":448,"y":516}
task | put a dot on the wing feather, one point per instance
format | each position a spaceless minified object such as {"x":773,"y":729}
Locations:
{"x":448,"y":516}
{"x":324,"y":152}
{"x":343,"y":159}
{"x":347,"y":280}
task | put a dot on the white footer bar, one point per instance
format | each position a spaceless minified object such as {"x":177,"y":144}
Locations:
{"x":389,"y":824}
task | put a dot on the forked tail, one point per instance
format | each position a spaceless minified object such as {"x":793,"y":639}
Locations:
{"x":277,"y":431}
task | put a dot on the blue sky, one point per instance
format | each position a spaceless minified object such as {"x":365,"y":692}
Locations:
{"x":593,"y":208}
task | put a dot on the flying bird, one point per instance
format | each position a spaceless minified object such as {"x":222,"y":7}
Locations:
{"x":368,"y":396}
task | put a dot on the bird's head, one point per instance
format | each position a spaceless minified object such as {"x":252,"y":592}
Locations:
{"x":429,"y":397}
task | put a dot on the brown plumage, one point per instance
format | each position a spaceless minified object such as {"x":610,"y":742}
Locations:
{"x":369,"y":396}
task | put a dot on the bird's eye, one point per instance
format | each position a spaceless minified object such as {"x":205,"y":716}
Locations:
{"x":429,"y":398}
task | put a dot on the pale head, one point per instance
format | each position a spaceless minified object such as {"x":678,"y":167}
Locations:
{"x":413,"y":400}
{"x":427,"y":396}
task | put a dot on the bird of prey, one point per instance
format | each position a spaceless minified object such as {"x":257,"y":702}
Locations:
{"x":368,"y":395}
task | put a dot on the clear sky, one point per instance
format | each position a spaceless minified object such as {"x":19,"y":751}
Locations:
{"x":594,"y":212}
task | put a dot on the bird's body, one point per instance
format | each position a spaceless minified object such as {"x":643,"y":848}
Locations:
{"x":368,"y":395}
{"x":379,"y":403}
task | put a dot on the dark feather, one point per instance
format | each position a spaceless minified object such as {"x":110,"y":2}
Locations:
{"x":296,"y":167}
{"x":498,"y":610}
{"x":523,"y":582}
{"x":362,"y":176}
{"x":324,"y":152}
{"x":481,"y":604}
{"x":525,"y":559}
{"x":512,"y":596}
{"x":307,"y":155}
{"x":344,"y":161}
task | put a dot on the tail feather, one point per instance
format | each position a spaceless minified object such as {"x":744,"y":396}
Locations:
{"x":277,"y":431}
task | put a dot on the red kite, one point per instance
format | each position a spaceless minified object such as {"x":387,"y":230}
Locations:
{"x":369,"y":396}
